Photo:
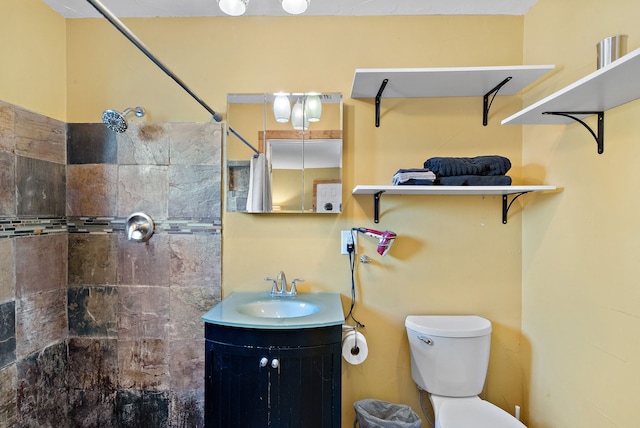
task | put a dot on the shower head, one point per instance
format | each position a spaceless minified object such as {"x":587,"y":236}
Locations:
{"x":117,"y":121}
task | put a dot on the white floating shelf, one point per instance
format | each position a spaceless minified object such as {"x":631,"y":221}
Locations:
{"x":604,"y":89}
{"x":377,"y":191}
{"x":609,"y":87}
{"x":444,"y":81}
{"x":363,"y":189}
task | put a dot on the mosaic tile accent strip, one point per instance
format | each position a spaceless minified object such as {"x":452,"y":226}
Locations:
{"x":12,"y":227}
{"x":105,"y":225}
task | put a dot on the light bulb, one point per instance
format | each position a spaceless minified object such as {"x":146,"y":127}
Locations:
{"x":313,"y":107}
{"x":281,"y":107}
{"x":299,"y":119}
{"x":295,"y":7}
{"x":233,"y":7}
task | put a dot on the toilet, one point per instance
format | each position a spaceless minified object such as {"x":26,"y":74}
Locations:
{"x":449,"y":360}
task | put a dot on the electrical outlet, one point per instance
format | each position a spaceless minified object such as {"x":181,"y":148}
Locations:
{"x":347,"y":237}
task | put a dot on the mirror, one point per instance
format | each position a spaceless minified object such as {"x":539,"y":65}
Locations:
{"x":303,"y":151}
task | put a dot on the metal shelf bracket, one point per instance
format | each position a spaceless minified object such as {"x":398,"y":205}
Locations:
{"x":487,"y":104}
{"x":376,"y":206}
{"x":485,"y":108}
{"x":506,"y":205}
{"x":378,"y":96}
{"x":599,"y":137}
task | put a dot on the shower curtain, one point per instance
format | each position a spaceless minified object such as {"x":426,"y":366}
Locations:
{"x":259,"y":197}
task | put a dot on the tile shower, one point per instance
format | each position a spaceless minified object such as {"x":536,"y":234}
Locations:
{"x":96,"y":330}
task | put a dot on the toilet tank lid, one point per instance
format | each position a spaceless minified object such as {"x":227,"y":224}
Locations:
{"x":449,"y":325}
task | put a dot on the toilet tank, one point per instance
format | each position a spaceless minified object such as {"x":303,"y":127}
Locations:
{"x":449,"y":353}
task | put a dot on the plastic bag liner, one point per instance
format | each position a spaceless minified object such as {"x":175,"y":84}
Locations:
{"x":372,"y":413}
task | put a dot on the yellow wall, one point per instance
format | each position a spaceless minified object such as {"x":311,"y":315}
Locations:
{"x":576,"y":360}
{"x":581,"y":299}
{"x":453,"y":254}
{"x":33,"y":55}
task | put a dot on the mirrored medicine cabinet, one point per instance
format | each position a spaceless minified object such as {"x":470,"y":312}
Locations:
{"x":301,"y":139}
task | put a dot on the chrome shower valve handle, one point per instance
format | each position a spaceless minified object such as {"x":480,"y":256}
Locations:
{"x":139,"y":227}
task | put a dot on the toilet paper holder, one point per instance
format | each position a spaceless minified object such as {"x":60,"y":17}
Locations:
{"x":354,"y":346}
{"x":355,"y":350}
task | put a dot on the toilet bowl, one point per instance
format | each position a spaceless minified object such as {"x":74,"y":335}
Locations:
{"x":449,"y":360}
{"x":471,"y":412}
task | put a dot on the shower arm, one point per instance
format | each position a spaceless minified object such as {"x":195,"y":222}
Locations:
{"x":138,"y":43}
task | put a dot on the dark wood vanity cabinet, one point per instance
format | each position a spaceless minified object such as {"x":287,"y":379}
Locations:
{"x":257,"y":378}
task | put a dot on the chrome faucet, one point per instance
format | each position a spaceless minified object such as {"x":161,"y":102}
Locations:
{"x":281,"y":279}
{"x":279,"y":285}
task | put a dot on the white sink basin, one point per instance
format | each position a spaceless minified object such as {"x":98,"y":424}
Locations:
{"x":255,"y":309}
{"x":278,"y":308}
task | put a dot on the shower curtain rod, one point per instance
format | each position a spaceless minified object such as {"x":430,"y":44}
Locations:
{"x":138,"y":43}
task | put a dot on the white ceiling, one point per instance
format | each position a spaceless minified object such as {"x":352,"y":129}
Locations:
{"x":186,"y":8}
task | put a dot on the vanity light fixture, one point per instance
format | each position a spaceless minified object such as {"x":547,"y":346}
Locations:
{"x":299,"y":119}
{"x":308,"y":108}
{"x":281,"y":107}
{"x":233,"y":7}
{"x":295,"y":7}
{"x":239,"y":7}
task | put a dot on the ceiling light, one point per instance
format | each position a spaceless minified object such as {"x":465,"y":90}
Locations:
{"x":281,"y":107}
{"x":239,"y":7}
{"x":233,"y":7}
{"x":295,"y":7}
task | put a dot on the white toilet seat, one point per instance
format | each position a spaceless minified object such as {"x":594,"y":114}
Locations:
{"x":463,"y":413}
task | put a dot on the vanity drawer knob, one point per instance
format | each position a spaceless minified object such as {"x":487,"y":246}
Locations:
{"x":275,"y":363}
{"x":264,"y":361}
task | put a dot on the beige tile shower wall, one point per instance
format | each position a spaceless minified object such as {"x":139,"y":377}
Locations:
{"x":41,"y":283}
{"x":33,"y":268}
{"x":40,"y":137}
{"x":138,"y":306}
{"x":32,"y":158}
{"x":7,"y":273}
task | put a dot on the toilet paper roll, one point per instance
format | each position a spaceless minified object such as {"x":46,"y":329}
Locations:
{"x":354,"y":348}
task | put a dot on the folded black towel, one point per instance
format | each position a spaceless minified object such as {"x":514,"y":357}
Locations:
{"x":479,"y":165}
{"x":474,"y":180}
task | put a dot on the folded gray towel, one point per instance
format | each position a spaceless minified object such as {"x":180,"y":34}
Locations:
{"x":415,"y":182}
{"x":405,"y":175}
{"x":479,"y":165}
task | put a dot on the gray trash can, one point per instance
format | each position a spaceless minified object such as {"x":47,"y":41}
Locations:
{"x":372,"y":413}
